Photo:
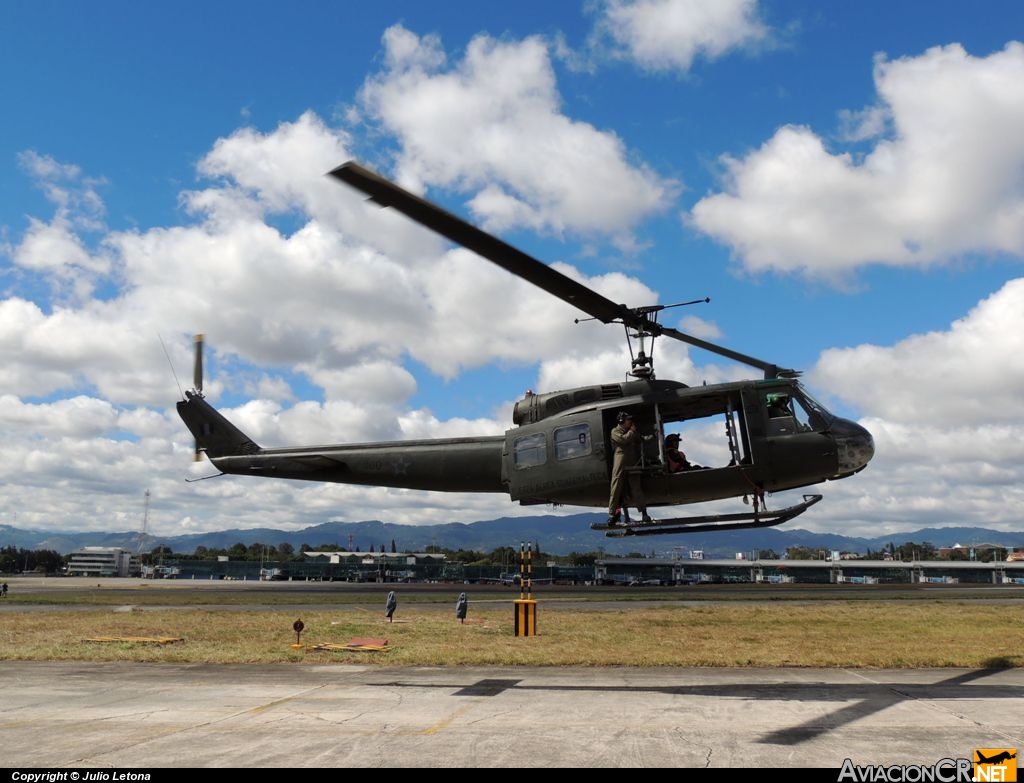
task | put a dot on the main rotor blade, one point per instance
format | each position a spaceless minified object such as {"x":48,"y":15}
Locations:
{"x":770,"y":370}
{"x":388,"y":194}
{"x":456,"y":229}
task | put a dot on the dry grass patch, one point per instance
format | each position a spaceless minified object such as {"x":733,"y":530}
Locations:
{"x":858,"y":635}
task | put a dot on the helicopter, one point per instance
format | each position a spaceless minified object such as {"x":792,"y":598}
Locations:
{"x":776,"y":436}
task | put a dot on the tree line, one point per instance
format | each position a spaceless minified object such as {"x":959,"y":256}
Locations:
{"x":27,"y":561}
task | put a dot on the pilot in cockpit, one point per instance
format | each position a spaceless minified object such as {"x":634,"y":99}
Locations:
{"x":778,"y":406}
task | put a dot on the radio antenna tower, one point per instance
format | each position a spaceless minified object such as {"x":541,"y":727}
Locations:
{"x":145,"y":522}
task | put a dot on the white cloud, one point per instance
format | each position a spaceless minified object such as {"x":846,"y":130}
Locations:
{"x":282,"y":170}
{"x":53,"y":248}
{"x":493,"y":122}
{"x":971,"y":374}
{"x":64,"y":185}
{"x":78,"y":417}
{"x":56,"y":251}
{"x":698,"y":327}
{"x":945,"y":410}
{"x":668,"y":35}
{"x":944,"y":183}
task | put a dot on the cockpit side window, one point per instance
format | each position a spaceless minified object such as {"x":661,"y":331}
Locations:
{"x":781,"y":420}
{"x":779,"y":405}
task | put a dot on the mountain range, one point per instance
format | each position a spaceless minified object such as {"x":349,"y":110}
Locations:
{"x":556,"y":535}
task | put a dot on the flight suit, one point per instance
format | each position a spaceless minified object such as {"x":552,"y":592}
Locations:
{"x":626,"y":445}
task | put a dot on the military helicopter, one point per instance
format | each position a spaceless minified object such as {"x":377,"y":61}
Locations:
{"x":558,"y":451}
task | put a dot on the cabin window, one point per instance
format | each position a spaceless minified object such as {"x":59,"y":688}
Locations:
{"x":572,"y":442}
{"x":703,"y":440}
{"x":530,"y":451}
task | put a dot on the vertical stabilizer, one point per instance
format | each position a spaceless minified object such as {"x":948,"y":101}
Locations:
{"x":215,"y":436}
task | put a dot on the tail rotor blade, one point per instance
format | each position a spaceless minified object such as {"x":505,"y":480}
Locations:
{"x":197,"y":379}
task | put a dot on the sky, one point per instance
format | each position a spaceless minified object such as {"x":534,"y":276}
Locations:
{"x":844,"y":181}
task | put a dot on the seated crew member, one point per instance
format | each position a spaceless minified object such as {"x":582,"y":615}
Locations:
{"x":675,"y":458}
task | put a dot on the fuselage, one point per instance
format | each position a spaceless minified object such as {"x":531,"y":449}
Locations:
{"x":558,"y":452}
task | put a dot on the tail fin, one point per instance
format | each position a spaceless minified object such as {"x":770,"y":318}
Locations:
{"x":215,"y":435}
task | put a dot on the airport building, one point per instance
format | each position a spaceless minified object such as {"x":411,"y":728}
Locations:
{"x":103,"y":561}
{"x":396,"y":567}
{"x":834,"y":570}
{"x":378,"y":566}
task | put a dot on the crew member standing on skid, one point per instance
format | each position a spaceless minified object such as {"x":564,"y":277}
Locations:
{"x":626,"y":442}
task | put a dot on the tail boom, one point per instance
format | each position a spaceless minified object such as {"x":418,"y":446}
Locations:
{"x":442,"y":465}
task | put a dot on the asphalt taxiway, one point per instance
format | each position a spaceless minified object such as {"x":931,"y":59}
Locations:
{"x":79,"y":716}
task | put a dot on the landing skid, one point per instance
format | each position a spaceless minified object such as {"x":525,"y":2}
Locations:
{"x":740,"y":521}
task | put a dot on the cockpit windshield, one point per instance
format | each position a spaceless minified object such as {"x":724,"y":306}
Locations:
{"x":809,"y":412}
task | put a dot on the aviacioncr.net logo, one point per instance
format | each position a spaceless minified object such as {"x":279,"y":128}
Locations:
{"x":998,"y":765}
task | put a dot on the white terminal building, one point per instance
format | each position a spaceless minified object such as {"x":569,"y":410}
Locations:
{"x":103,"y":561}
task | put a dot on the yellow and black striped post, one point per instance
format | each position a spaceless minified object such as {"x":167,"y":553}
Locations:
{"x":525,"y":621}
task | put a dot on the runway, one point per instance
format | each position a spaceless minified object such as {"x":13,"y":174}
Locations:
{"x":79,"y":716}
{"x":559,"y":595}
